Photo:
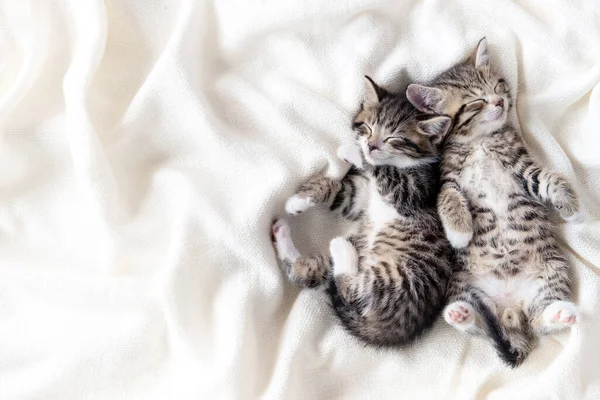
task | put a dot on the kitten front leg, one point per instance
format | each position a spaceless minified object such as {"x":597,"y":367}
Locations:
{"x":453,"y":209}
{"x":341,"y":196}
{"x":322,"y":189}
{"x":552,"y":187}
{"x":318,"y":189}
{"x":563,"y":197}
{"x":351,"y":154}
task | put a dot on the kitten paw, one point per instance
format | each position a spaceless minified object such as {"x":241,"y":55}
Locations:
{"x":458,"y":240}
{"x":565,"y":200}
{"x":561,"y":313}
{"x":350,"y":153}
{"x":297,"y":203}
{"x":282,"y":238}
{"x":576,"y":218}
{"x":344,"y":255}
{"x":459,"y":314}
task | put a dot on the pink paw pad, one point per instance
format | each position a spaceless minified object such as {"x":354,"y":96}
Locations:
{"x":279,"y":230}
{"x":458,"y":315}
{"x":565,"y":317}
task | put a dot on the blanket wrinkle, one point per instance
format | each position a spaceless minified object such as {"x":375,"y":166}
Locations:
{"x":146,"y":147}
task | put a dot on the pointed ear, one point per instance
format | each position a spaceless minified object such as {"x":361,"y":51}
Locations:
{"x":480,"y":58}
{"x":425,"y":99}
{"x":435,"y":127}
{"x":372,"y":93}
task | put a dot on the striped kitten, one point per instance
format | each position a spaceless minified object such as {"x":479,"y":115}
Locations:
{"x":516,"y":283}
{"x":388,"y":278}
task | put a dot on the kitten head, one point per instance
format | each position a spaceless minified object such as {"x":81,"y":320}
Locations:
{"x":391,"y":132}
{"x":472,"y":93}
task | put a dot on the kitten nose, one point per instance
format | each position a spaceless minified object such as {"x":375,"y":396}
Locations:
{"x":373,"y":147}
{"x":500,"y":103}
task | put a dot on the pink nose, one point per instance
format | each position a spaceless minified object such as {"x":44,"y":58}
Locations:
{"x":500,"y":103}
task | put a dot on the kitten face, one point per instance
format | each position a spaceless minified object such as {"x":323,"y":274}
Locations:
{"x":474,"y":95}
{"x":391,"y":132}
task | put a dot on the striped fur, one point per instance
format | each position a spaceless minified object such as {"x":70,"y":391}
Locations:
{"x":515,"y":284}
{"x":387,"y":279}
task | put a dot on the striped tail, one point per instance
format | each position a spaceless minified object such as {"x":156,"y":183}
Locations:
{"x":512,"y":345}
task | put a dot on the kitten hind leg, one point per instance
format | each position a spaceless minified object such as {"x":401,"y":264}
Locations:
{"x":551,"y":310}
{"x":460,"y":315}
{"x":345,"y":268}
{"x":304,"y":271}
{"x":344,"y":257}
{"x":282,"y":238}
{"x":461,"y":312}
{"x":559,"y":315}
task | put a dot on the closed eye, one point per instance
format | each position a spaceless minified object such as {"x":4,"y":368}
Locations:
{"x":402,"y":143}
{"x":475,"y":105}
{"x":365,"y":129}
{"x":362,"y":127}
{"x":501,"y":87}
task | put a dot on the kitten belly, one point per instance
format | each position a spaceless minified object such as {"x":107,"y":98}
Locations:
{"x":517,"y":291}
{"x":488,"y":186}
{"x":487,"y":182}
{"x":379,"y":213}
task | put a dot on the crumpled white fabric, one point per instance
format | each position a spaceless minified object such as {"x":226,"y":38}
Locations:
{"x":146,"y":146}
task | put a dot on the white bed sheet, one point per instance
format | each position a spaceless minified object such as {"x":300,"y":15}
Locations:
{"x":145,"y":147}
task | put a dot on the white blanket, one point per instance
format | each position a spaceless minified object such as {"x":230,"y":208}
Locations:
{"x":146,"y":146}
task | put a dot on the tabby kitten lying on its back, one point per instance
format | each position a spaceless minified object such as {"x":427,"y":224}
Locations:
{"x":388,"y":278}
{"x":516,"y":283}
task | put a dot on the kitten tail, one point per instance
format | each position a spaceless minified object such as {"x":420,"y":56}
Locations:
{"x":512,"y":345}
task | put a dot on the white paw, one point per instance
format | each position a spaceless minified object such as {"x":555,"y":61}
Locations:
{"x":344,"y":255}
{"x":561,"y":312}
{"x":282,"y":237}
{"x":351,"y":154}
{"x":458,"y":240}
{"x":459,"y":314}
{"x":296,"y":204}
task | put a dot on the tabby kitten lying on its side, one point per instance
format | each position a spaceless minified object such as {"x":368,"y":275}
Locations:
{"x":516,"y":283}
{"x":388,"y":278}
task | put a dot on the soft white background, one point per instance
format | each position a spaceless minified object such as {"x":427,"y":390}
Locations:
{"x":145,"y":147}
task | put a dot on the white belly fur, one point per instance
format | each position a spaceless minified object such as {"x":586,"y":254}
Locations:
{"x":379,"y":212}
{"x":511,"y":292}
{"x":483,"y":174}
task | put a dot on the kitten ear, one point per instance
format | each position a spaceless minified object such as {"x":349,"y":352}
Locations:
{"x":480,"y":58}
{"x":436,"y":126}
{"x":425,"y":99}
{"x":372,"y":93}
